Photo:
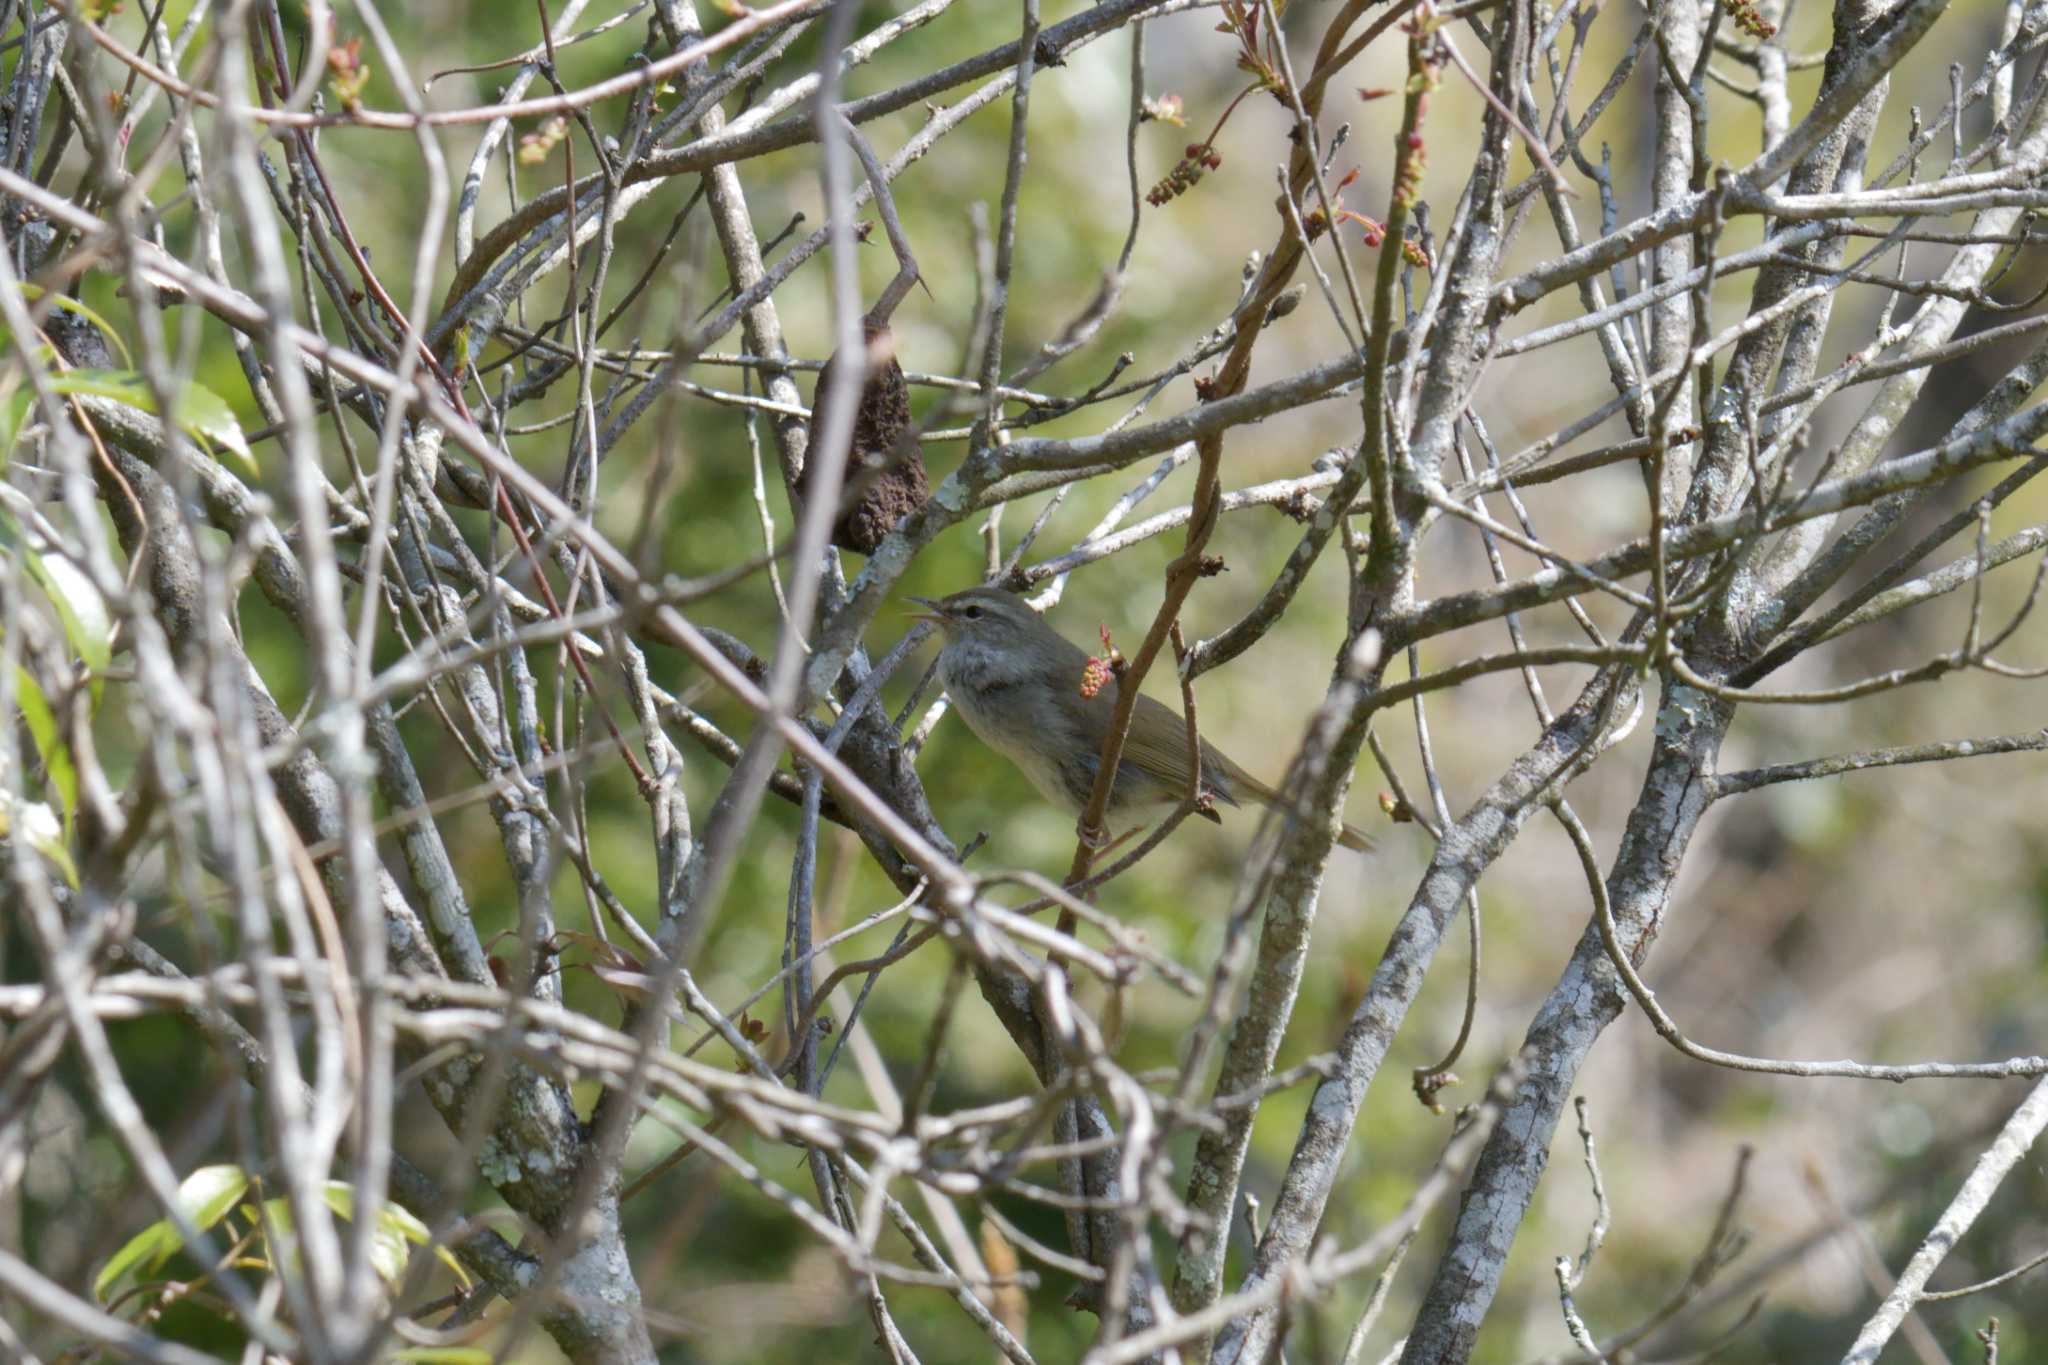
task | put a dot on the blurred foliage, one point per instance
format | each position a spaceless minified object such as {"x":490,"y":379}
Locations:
{"x":1902,"y":916}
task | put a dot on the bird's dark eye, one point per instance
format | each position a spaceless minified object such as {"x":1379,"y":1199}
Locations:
{"x":971,"y":613}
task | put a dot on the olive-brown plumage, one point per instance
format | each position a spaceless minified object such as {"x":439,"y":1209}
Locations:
{"x":1017,"y":683}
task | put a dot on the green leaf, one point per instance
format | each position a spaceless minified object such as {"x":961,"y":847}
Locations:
{"x":388,"y":1254}
{"x":88,"y":625}
{"x":206,"y":1196}
{"x":395,"y":1228}
{"x":341,"y":1197}
{"x":153,"y":1245}
{"x":202,"y":412}
{"x":53,"y":847}
{"x":455,"y":1267}
{"x":387,"y":1244}
{"x":77,"y":309}
{"x":444,"y":1355}
{"x":405,"y":1225}
{"x":123,"y":386}
{"x":277,"y":1224}
{"x":210,"y":1192}
{"x":387,"y":1249}
{"x":49,"y":740}
{"x":13,"y":412}
{"x":36,"y":825}
{"x":199,"y":411}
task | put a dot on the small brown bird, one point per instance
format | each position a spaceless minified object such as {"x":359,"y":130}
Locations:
{"x":1017,"y":683}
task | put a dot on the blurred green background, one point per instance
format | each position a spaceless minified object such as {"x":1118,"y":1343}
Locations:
{"x":1892,"y":917}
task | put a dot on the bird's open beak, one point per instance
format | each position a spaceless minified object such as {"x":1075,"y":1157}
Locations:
{"x":936,"y":615}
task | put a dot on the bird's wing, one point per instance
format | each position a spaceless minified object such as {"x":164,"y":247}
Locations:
{"x":1349,"y":835}
{"x":1157,"y":745}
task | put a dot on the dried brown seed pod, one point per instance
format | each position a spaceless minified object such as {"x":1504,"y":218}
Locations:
{"x":885,"y":475}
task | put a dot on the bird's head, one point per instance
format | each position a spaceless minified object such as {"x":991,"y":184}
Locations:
{"x":991,"y":618}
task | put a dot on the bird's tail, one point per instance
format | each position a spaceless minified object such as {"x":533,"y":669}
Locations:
{"x":1349,"y":835}
{"x":1352,"y":837}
